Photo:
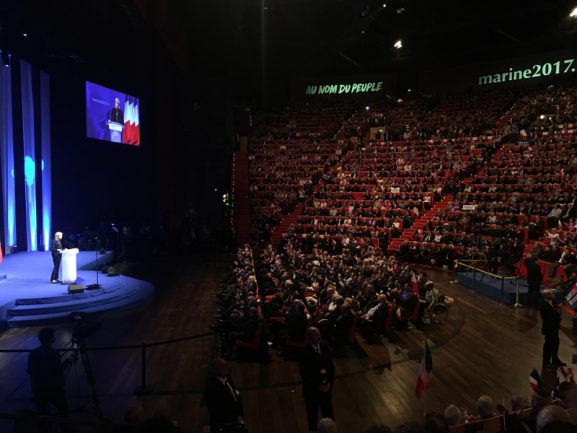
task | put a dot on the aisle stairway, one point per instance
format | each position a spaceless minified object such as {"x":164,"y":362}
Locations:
{"x":241,"y":203}
{"x":395,"y":244}
{"x":278,"y":232}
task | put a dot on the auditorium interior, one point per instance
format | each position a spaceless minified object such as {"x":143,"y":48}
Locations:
{"x":400,"y":174}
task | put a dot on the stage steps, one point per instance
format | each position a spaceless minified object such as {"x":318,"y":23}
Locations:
{"x":55,"y":307}
{"x":61,"y":316}
{"x":124,"y":293}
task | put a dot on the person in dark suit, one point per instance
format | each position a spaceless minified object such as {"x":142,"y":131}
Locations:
{"x":551,"y":317}
{"x":116,"y":114}
{"x":47,"y":377}
{"x":317,"y":372}
{"x":56,"y":250}
{"x":534,"y":279}
{"x":223,"y":399}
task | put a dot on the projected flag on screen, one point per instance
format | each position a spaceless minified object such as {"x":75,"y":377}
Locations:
{"x":131,"y":133}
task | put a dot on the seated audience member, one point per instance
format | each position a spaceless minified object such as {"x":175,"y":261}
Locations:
{"x":453,"y":415}
{"x":435,"y":423}
{"x":372,"y":323}
{"x":327,"y":425}
{"x":297,"y":321}
{"x":567,"y":398}
{"x":550,"y":414}
{"x":342,"y":325}
{"x":529,"y":419}
{"x":519,"y":402}
{"x":485,"y":407}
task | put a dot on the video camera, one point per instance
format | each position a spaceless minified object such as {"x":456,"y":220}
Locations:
{"x":83,"y":329}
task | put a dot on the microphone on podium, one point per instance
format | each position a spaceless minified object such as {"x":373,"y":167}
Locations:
{"x":67,"y":244}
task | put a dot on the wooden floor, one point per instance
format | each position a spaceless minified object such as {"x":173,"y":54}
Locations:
{"x":484,"y":348}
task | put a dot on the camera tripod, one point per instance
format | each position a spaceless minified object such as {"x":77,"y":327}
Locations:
{"x":77,"y":346}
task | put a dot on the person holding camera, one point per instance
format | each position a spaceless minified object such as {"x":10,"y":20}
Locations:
{"x":47,"y":378}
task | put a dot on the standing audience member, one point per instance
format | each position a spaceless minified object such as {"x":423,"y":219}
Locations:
{"x":223,"y":399}
{"x":317,"y":372}
{"x":551,"y":317}
{"x":534,"y":279}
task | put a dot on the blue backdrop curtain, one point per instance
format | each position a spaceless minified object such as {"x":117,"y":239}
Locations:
{"x":45,"y":163}
{"x":28,"y":144}
{"x":7,"y":155}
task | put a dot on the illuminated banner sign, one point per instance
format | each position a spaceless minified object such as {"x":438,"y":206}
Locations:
{"x":537,"y":70}
{"x":343,"y":89}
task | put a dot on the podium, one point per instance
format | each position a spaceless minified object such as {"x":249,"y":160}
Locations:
{"x":69,"y":266}
{"x":115,"y":129}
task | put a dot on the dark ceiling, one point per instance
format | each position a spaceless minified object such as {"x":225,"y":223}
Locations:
{"x":351,"y":35}
{"x":252,"y":40}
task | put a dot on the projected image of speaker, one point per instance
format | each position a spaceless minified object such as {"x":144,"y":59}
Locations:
{"x":120,"y":111}
{"x":75,"y":288}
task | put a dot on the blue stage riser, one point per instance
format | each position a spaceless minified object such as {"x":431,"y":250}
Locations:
{"x":492,"y":287}
{"x":27,"y":298}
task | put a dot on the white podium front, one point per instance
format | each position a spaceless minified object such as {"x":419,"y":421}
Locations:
{"x":115,"y":129}
{"x":69,"y":266}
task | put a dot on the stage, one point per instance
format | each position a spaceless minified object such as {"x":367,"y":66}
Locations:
{"x":27,"y":298}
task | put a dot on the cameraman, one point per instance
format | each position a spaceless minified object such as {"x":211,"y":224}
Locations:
{"x":47,"y":378}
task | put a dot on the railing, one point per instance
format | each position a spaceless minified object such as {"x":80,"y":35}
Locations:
{"x":472,"y":266}
{"x":143,"y":387}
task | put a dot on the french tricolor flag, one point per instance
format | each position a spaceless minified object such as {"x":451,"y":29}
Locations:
{"x":131,"y":133}
{"x":536,"y":382}
{"x":424,"y":379}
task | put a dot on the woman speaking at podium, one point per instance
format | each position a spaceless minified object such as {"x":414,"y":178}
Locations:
{"x":56,"y":250}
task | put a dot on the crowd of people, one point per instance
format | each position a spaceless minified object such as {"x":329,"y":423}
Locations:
{"x":335,"y":287}
{"x":511,"y":174}
{"x":497,"y":170}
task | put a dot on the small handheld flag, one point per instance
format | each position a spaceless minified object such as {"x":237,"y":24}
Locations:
{"x":424,"y":377}
{"x":536,"y":382}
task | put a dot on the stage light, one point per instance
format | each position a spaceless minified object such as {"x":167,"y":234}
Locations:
{"x":542,"y":116}
{"x":400,"y":11}
{"x":573,"y":13}
{"x":384,"y":5}
{"x":24,"y":34}
{"x":398,"y":45}
{"x":367,"y":108}
{"x":409,"y":90}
